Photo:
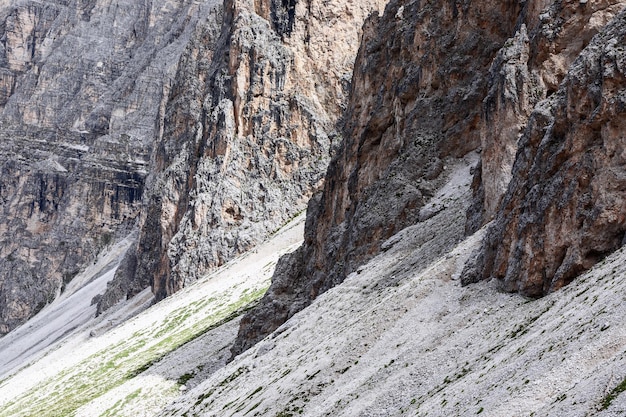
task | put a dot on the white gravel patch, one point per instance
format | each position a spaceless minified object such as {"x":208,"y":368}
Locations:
{"x":62,"y":318}
{"x":399,"y":337}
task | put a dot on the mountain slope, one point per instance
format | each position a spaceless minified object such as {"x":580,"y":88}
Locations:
{"x":401,"y":336}
{"x":369,"y":316}
{"x":247,"y":135}
{"x":432,"y":83}
{"x":132,"y":361}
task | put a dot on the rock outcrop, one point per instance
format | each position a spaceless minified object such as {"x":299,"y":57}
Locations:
{"x":565,"y":207}
{"x":528,"y":68}
{"x":415,"y":103}
{"x":82,"y":89}
{"x":248,"y":131}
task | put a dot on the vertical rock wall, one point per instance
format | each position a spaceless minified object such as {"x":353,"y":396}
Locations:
{"x":82,"y":90}
{"x":415,"y":102}
{"x":528,"y":68}
{"x":247,"y":135}
{"x":565,"y":205}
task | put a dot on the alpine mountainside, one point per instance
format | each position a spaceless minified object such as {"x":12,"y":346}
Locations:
{"x":469,"y":142}
{"x":436,"y":80}
{"x":414,"y":108}
{"x":82,"y":89}
{"x":248,"y":131}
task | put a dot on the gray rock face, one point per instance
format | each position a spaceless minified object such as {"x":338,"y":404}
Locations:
{"x":565,"y":205}
{"x":171,"y":160}
{"x":82,"y":92}
{"x":247,"y":134}
{"x":414,"y":105}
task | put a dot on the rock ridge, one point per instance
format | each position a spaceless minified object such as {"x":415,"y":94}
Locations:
{"x":528,"y":68}
{"x":414,"y":108}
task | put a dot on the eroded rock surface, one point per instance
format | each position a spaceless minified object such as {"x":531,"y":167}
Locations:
{"x":82,"y":89}
{"x":415,"y":104}
{"x":565,"y":205}
{"x":247,"y":136}
{"x":528,"y":68}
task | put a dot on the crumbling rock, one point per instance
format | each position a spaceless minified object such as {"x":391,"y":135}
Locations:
{"x":247,"y":135}
{"x":564,"y":209}
{"x":82,"y":86}
{"x":528,"y":68}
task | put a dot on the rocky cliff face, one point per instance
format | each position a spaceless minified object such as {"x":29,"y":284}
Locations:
{"x":564,"y":207}
{"x":414,"y":107}
{"x":208,"y":127}
{"x":528,"y":68}
{"x":419,"y":96}
{"x":82,"y":88}
{"x":247,"y":134}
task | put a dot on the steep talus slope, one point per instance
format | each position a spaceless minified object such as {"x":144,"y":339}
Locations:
{"x":132,"y":360}
{"x":246,"y":136}
{"x":564,"y":209}
{"x":82,"y":86}
{"x":400,"y":336}
{"x":415,"y":105}
{"x":535,"y":89}
{"x":58,"y":320}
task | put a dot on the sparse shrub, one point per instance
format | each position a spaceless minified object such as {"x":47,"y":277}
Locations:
{"x":106,"y":238}
{"x":184,"y":378}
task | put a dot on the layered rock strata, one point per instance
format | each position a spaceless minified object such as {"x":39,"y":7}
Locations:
{"x":247,"y":135}
{"x":82,"y":87}
{"x":415,"y":102}
{"x":564,"y":208}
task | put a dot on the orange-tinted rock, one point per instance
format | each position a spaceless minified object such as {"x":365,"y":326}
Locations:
{"x":247,"y":135}
{"x":415,"y":101}
{"x":529,"y":66}
{"x":565,"y":207}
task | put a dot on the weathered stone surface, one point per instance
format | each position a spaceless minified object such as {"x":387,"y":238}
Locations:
{"x":168,"y":186}
{"x":82,"y":88}
{"x":415,"y":102}
{"x":565,"y":207}
{"x":528,"y":68}
{"x":247,"y":134}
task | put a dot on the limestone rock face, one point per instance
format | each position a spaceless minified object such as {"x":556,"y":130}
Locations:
{"x":247,"y":135}
{"x":82,"y":89}
{"x":528,"y":68}
{"x":415,"y":103}
{"x":565,"y":207}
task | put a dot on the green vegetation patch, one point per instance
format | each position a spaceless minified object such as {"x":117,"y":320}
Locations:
{"x":608,"y":399}
{"x":62,"y":394}
{"x":184,"y":378}
{"x":119,"y":405}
